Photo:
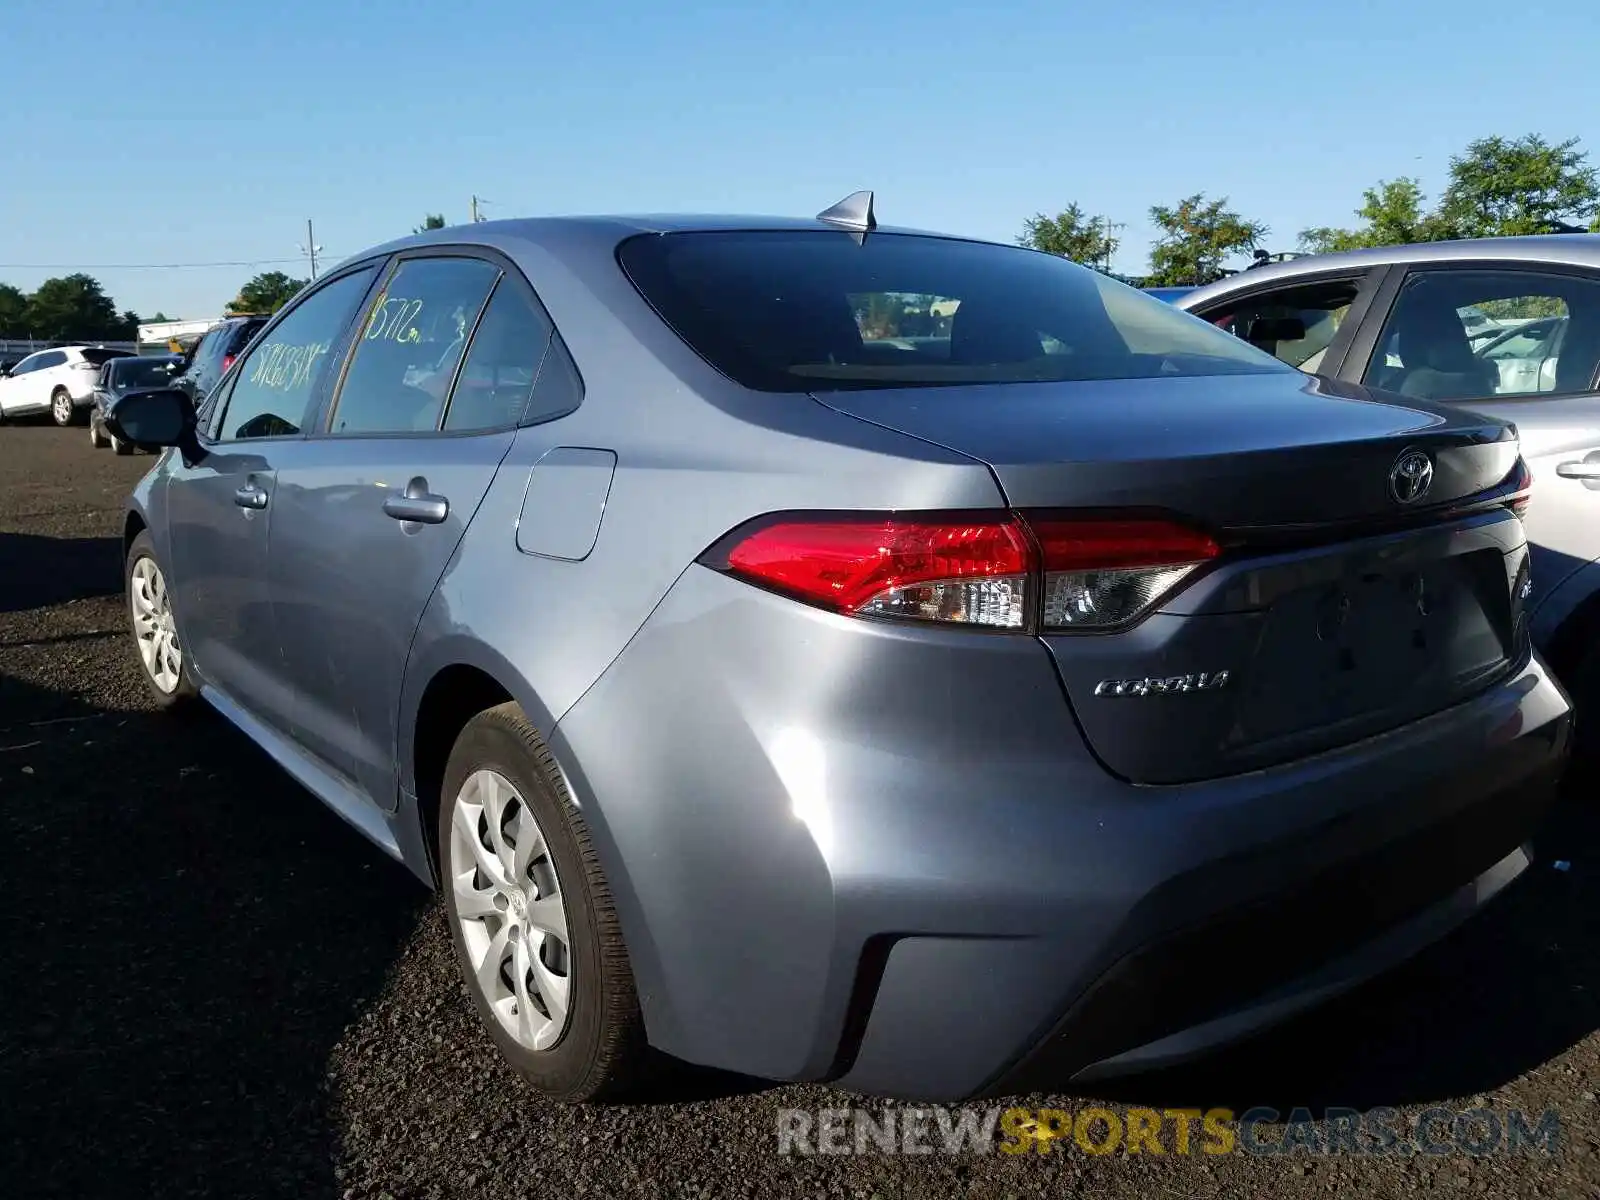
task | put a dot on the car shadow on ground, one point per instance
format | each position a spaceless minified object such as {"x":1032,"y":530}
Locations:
{"x":39,"y":571}
{"x":1512,"y":989}
{"x":185,"y":937}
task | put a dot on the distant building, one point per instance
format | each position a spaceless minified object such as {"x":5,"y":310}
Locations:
{"x":164,"y":333}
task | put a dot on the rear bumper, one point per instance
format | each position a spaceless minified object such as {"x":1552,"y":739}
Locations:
{"x":883,"y":856}
{"x":1240,"y":970}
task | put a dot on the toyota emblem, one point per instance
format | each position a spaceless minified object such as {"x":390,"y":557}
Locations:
{"x":1411,"y":476}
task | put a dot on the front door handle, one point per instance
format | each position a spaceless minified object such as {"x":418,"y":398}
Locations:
{"x":417,"y":504}
{"x":250,"y":496}
{"x":1579,"y":470}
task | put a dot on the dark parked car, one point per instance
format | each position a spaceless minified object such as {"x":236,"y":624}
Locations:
{"x":118,"y":377}
{"x":214,"y":353}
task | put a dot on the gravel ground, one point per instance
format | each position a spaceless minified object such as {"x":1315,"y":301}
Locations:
{"x":209,"y":986}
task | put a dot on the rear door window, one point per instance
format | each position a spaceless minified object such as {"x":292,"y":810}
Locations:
{"x":813,"y":310}
{"x":503,"y":363}
{"x":278,"y":380}
{"x":410,"y":345}
{"x":1295,"y":325}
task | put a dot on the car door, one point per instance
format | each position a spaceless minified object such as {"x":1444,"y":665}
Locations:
{"x":14,"y":388}
{"x":220,"y":507}
{"x":49,"y":373}
{"x":376,"y":501}
{"x":1419,"y":344}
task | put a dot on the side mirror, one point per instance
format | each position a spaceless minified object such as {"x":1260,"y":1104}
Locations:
{"x":154,"y":418}
{"x":1275,"y":329}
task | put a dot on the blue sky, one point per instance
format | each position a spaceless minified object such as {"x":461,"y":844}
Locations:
{"x":210,"y":132}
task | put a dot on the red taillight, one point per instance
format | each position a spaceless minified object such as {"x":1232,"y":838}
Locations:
{"x":1001,"y":570}
{"x":227,"y":361}
{"x":1070,"y":544}
{"x":972,"y":571}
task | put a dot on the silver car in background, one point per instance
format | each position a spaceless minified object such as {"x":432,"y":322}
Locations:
{"x":835,"y":653}
{"x":1509,"y":327}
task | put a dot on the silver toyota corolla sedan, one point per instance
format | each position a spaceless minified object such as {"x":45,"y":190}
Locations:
{"x":835,"y":653}
{"x":1508,"y":327}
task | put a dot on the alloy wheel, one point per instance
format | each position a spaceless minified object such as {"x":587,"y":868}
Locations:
{"x":62,"y":409}
{"x":512,"y":910}
{"x":153,"y":626}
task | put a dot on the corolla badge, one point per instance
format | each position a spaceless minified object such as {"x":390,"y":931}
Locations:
{"x":1201,"y":681}
{"x":1411,"y":476}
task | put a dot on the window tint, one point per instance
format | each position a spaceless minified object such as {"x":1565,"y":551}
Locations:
{"x":28,"y":364}
{"x":1295,"y":325}
{"x":502,"y":363}
{"x":195,"y":349}
{"x":50,"y":358}
{"x":239,"y":335}
{"x":812,"y":310}
{"x":276,"y":383}
{"x":410,"y":345}
{"x":559,"y":389}
{"x":139,"y":373}
{"x":1461,"y":335}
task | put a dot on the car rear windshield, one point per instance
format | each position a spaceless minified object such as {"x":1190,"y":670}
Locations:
{"x":142,"y":373}
{"x":812,"y":310}
{"x":242,"y":333}
{"x":99,"y":355}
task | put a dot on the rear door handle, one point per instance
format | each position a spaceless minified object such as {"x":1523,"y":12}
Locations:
{"x":1579,"y":470}
{"x":250,"y":496}
{"x":417,"y":504}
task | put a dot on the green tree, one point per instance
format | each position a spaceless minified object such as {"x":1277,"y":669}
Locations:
{"x":13,"y":311}
{"x":72,"y":306}
{"x":431,"y":221}
{"x":265,"y":293}
{"x":1392,"y":214}
{"x":1071,"y":235}
{"x":1501,"y":188}
{"x":1196,"y":237}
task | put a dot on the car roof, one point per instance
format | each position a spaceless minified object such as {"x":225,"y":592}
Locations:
{"x":555,"y":232}
{"x":1572,"y":249}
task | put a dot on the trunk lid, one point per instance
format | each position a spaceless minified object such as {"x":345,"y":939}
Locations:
{"x":1239,"y":451}
{"x":1336,"y":611}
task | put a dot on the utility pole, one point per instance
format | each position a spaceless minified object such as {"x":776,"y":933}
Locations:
{"x":310,"y":248}
{"x":1108,"y":225}
{"x":476,"y":217}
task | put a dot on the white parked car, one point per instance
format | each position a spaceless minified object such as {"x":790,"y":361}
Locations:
{"x":59,"y":381}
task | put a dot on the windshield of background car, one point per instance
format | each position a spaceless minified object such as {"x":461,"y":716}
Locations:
{"x":800,"y":311}
{"x":141,"y":373}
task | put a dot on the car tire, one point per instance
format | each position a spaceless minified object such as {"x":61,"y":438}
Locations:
{"x":162,"y":662}
{"x":501,"y":769}
{"x":62,"y":411}
{"x":120,"y":447}
{"x":97,"y":436}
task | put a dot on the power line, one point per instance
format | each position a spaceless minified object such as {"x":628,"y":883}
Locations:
{"x":246,"y":262}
